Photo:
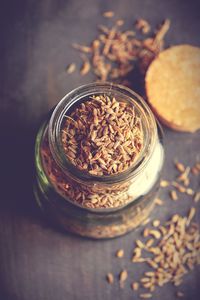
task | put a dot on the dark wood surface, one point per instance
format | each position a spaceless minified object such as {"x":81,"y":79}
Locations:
{"x":37,"y":262}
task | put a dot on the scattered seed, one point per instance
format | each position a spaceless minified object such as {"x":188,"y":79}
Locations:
{"x":173,"y":195}
{"x":136,"y":254}
{"x":85,"y":68}
{"x":175,"y":218}
{"x":152,"y":264}
{"x":141,"y":260}
{"x":197,"y":165}
{"x":82,"y":48}
{"x":179,"y":294}
{"x":194,"y":171}
{"x":189,"y":191}
{"x":158,"y":201}
{"x":156,"y":223}
{"x":146,"y":232}
{"x":162,"y":30}
{"x":146,"y":296}
{"x":108,"y":14}
{"x":184,"y":175}
{"x":179,"y":187}
{"x":163,"y":230}
{"x":190,"y":215}
{"x":164,"y":183}
{"x":146,"y":221}
{"x":150,"y":274}
{"x":144,"y":279}
{"x":180,"y":167}
{"x":71,"y":68}
{"x":135,"y":286}
{"x":155,"y":250}
{"x":120,"y":253}
{"x":155,"y":233}
{"x":110,"y":278}
{"x":186,"y":181}
{"x":120,"y":22}
{"x":197,"y":197}
{"x":140,"y":244}
{"x":149,"y":243}
{"x":123,"y":276}
{"x":143,"y":26}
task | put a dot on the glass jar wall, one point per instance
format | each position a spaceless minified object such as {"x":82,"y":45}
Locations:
{"x":97,"y":206}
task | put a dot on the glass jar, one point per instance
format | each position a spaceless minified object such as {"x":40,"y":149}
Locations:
{"x":69,"y":196}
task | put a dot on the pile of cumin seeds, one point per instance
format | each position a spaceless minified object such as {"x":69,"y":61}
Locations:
{"x":86,"y":196}
{"x":116,"y":52}
{"x":170,"y":251}
{"x":102,"y":136}
{"x":173,"y":254}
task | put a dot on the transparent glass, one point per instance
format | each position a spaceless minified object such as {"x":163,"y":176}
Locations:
{"x":67,"y":195}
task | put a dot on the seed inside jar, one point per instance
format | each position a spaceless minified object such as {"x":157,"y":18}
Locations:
{"x":102,"y":136}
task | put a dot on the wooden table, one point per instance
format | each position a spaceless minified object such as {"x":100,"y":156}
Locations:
{"x":37,"y":262}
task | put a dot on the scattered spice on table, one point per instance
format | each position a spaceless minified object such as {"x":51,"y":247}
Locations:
{"x":171,"y":249}
{"x":116,"y":52}
{"x":173,"y":254}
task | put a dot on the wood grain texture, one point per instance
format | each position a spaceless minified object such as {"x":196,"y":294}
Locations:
{"x":37,"y":262}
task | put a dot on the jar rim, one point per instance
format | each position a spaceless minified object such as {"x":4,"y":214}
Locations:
{"x":107,"y":88}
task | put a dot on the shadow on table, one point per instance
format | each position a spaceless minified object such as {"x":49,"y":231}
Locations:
{"x":17,"y":165}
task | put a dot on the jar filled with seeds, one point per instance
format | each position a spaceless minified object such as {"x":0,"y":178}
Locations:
{"x":98,"y":159}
